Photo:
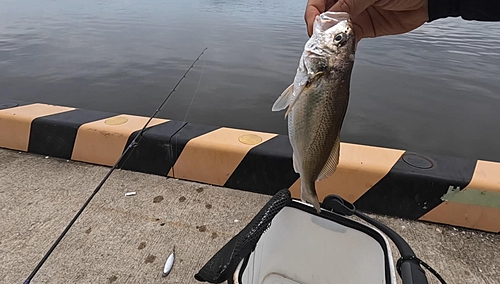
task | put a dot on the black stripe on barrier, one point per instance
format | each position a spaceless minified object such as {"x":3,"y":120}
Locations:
{"x":153,"y":155}
{"x":415,"y":185}
{"x":55,"y":135}
{"x":188,"y":132}
{"x":266,"y":168}
{"x":8,"y":103}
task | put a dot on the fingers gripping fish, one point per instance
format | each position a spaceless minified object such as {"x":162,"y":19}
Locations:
{"x":317,"y":101}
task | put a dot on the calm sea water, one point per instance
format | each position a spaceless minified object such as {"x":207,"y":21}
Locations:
{"x":434,"y":90}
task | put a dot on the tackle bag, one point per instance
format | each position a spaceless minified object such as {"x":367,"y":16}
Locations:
{"x":288,"y":242}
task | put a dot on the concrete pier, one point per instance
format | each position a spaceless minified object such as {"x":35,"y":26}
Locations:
{"x":126,"y":239}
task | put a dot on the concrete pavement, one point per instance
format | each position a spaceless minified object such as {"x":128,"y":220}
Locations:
{"x":120,"y":239}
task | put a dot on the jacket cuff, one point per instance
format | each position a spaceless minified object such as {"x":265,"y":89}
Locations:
{"x":440,"y":9}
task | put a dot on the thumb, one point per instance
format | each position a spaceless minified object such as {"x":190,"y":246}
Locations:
{"x":353,"y":7}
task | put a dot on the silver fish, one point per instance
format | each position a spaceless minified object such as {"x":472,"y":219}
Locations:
{"x":317,"y":101}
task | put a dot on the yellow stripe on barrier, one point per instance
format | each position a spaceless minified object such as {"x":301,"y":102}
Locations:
{"x":360,"y":168}
{"x":212,"y":158}
{"x":15,"y":123}
{"x":465,"y":215}
{"x":486,"y":176}
{"x":103,"y":142}
{"x":471,"y":207}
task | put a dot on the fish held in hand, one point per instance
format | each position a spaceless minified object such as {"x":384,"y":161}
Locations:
{"x":317,"y":101}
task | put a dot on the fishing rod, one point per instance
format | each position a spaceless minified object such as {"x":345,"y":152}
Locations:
{"x":130,"y":147}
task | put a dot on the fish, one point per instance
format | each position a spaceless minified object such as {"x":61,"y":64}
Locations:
{"x":317,"y":101}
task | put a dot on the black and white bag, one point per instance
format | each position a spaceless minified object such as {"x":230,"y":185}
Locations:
{"x":288,"y":242}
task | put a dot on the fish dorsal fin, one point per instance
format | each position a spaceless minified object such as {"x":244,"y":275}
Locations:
{"x":284,"y":99}
{"x":332,"y":162}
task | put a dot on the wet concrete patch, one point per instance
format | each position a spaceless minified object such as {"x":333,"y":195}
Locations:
{"x":150,"y":259}
{"x":199,"y":189}
{"x":88,"y":230}
{"x":208,"y":206}
{"x":112,"y":279}
{"x":182,"y":199}
{"x":142,"y":245}
{"x":157,"y":199}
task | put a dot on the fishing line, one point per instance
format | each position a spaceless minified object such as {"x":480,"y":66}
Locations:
{"x":130,"y":147}
{"x":196,"y":91}
{"x":203,"y":66}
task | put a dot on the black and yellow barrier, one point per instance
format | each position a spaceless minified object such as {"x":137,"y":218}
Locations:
{"x":448,"y":190}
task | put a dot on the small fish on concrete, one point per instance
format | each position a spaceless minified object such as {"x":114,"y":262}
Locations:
{"x":169,"y":264}
{"x":317,"y":101}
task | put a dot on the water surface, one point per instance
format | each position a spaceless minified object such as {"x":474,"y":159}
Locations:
{"x":434,"y":90}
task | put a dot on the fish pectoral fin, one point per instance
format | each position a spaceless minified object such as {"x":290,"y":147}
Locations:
{"x":294,"y":99}
{"x":287,"y":98}
{"x":284,"y":99}
{"x":332,"y":162}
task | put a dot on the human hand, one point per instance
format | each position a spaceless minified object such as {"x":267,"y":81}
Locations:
{"x":373,"y":18}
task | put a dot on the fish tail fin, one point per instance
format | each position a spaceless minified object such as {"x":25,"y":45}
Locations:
{"x":308,"y":195}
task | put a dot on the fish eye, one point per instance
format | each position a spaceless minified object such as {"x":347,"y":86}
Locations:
{"x":339,"y":37}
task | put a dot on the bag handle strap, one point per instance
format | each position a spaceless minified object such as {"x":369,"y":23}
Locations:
{"x":408,"y":266}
